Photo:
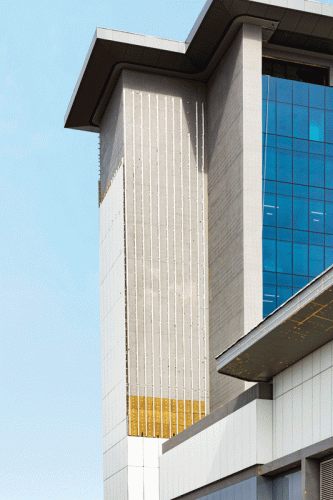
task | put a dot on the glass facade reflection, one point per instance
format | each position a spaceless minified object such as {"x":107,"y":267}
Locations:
{"x":297,"y":186}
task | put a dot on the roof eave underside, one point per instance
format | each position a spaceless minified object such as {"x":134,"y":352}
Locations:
{"x":299,"y":327}
{"x":310,"y":29}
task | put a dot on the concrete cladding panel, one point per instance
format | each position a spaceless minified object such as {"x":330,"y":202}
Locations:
{"x":234,"y":192}
{"x":166,"y":252}
{"x":112,"y":283}
{"x":111,"y":139}
{"x":303,"y":404}
{"x":240,"y":440}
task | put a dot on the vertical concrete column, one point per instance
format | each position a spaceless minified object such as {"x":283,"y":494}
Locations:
{"x":234,"y":201}
{"x":264,"y":488}
{"x":310,"y":479}
{"x":252,"y":175}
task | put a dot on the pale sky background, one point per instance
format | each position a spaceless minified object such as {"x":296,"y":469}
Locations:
{"x":50,"y":375}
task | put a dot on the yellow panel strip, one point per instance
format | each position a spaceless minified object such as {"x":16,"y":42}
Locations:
{"x":156,"y":417}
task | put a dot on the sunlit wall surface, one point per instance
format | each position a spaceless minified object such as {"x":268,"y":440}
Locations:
{"x":297,"y":186}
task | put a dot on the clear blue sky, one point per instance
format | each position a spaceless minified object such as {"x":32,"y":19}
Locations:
{"x":51,"y":413}
{"x":50,"y":382}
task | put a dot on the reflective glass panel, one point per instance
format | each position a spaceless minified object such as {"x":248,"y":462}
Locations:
{"x":297,"y":185}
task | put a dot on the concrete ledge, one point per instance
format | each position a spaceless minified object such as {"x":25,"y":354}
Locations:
{"x":316,"y":451}
{"x":297,"y":328}
{"x":221,"y":484}
{"x":258,"y":391}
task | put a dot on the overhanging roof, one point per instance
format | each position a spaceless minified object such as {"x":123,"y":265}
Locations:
{"x":304,"y":24}
{"x":297,"y":328}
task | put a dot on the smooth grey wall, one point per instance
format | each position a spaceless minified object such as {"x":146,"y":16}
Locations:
{"x":111,"y":138}
{"x":234,"y":198}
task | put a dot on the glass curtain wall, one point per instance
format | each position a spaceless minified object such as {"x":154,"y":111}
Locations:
{"x":297,"y":186}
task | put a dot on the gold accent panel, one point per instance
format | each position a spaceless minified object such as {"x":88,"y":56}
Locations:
{"x":161,"y":417}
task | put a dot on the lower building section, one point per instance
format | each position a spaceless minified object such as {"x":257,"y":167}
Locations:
{"x":131,"y":469}
{"x":230,"y":442}
{"x":285,"y":487}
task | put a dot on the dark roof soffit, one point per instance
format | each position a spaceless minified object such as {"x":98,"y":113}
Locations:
{"x":110,"y":51}
{"x":299,"y":327}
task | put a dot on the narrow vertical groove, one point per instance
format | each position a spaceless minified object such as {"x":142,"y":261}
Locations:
{"x":143,"y":269}
{"x":129,"y":425}
{"x":151,"y":257}
{"x":190,"y":259}
{"x":174,"y":253}
{"x":183,"y":289}
{"x":204,"y":239}
{"x":135,"y":259}
{"x":198,"y":236}
{"x":176,"y":337}
{"x":167,"y":257}
{"x":159,"y":249}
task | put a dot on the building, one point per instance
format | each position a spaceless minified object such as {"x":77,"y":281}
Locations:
{"x":215,"y":193}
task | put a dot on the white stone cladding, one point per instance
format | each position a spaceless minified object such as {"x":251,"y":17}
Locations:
{"x":238,"y":441}
{"x":112,"y":283}
{"x":303,"y":405}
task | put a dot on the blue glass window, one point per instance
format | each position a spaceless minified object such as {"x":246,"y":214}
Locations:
{"x":317,"y":96}
{"x":284,"y":188}
{"x":316,"y":193}
{"x":300,"y":214}
{"x":284,"y":234}
{"x":284,"y":165}
{"x":269,"y":278}
{"x":284,"y":119}
{"x":301,"y":93}
{"x":329,"y":98}
{"x":297,"y":186}
{"x":269,"y":255}
{"x":269,"y":210}
{"x":317,"y":124}
{"x":316,"y":170}
{"x":316,"y":216}
{"x":328,"y":257}
{"x":284,"y":90}
{"x":316,"y":148}
{"x":329,"y":126}
{"x":282,"y":295}
{"x":269,"y":126}
{"x":284,"y":211}
{"x":284,"y":142}
{"x":269,"y":298}
{"x":316,"y":239}
{"x":300,"y":258}
{"x":284,"y":257}
{"x":284,"y":279}
{"x":300,"y":122}
{"x":269,"y":159}
{"x":328,"y":217}
{"x":316,"y":260}
{"x":300,"y":168}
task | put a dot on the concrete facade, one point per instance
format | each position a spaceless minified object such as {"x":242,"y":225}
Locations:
{"x":166,"y":253}
{"x":112,"y":276}
{"x":181,"y":261}
{"x":303,"y":406}
{"x":236,"y":442}
{"x":154,"y":271}
{"x":234,"y":192}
